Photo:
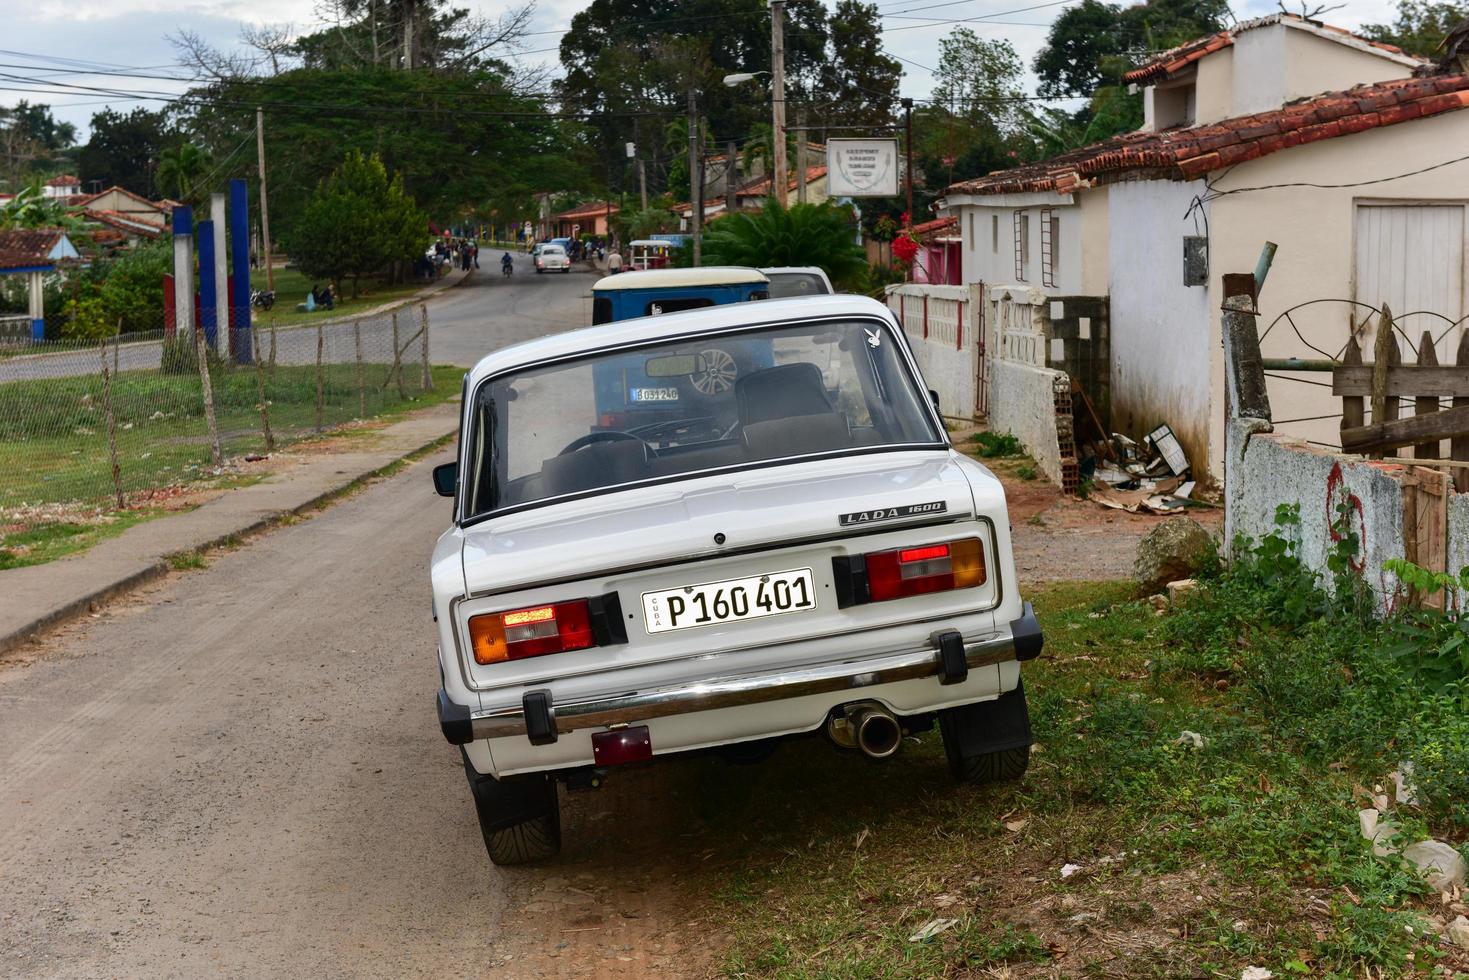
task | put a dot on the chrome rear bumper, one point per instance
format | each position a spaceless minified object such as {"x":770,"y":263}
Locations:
{"x":1022,"y":642}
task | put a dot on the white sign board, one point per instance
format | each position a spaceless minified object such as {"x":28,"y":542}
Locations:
{"x":862,"y":168}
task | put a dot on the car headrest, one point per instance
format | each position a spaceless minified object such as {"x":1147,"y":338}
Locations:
{"x":601,"y":464}
{"x":780,"y":393}
{"x":797,"y":436}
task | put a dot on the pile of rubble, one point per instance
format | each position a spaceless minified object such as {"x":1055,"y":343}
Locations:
{"x":1152,"y":476}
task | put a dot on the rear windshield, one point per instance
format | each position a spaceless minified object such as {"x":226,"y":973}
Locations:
{"x":681,"y":408}
{"x":785,"y":285}
{"x":552,"y":250}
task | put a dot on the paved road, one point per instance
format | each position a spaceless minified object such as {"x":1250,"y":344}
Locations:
{"x":488,"y":310}
{"x":239,"y":773}
{"x":485,"y":311}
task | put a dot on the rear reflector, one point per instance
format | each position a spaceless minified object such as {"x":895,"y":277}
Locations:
{"x":922,"y":570}
{"x":531,"y":632}
{"x":626,"y":745}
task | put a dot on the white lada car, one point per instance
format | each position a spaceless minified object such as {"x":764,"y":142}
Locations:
{"x":711,"y":531}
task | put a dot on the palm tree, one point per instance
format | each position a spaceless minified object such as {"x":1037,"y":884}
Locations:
{"x":180,"y":171}
{"x":760,"y":147}
{"x":31,"y":208}
{"x":804,"y":234}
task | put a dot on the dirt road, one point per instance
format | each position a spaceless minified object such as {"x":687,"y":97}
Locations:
{"x":240,"y":773}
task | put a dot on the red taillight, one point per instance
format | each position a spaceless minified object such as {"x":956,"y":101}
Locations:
{"x":532,"y":632}
{"x":930,"y":568}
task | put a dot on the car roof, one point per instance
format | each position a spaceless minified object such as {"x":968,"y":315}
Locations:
{"x":552,"y":245}
{"x":651,"y":329}
{"x":709,"y":275}
{"x":791,"y":270}
{"x":660,"y":242}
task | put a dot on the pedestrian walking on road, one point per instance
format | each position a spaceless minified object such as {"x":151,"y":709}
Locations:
{"x":614,"y":263}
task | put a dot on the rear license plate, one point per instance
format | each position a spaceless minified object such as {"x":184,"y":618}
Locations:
{"x":732,"y":600}
{"x":655,"y":394}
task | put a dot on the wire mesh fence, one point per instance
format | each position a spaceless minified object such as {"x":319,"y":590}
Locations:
{"x":108,"y":423}
{"x":1302,"y":344}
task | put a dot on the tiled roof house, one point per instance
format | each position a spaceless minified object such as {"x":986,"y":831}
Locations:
{"x":1343,"y":151}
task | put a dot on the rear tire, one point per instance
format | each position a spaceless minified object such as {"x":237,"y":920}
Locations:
{"x":519,"y":816}
{"x":988,"y":742}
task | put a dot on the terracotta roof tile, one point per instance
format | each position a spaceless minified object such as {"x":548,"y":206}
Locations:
{"x":595,"y":209}
{"x":1188,"y":153}
{"x":1168,"y":63}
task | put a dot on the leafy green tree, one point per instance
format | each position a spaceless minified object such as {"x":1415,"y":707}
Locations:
{"x":459,"y":140}
{"x":179,"y":171}
{"x":804,"y":234}
{"x":1055,"y":131}
{"x":358,"y":223}
{"x":31,"y":208}
{"x":858,"y":81}
{"x":124,"y":149}
{"x":123,"y":293}
{"x":1094,"y":43}
{"x":1420,"y":26}
{"x":977,"y":116}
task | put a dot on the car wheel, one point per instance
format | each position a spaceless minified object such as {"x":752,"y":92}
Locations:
{"x":719,"y":374}
{"x":519,"y":817}
{"x":987,"y":742}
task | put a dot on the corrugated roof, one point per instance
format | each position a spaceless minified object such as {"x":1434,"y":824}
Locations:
{"x":1182,"y":154}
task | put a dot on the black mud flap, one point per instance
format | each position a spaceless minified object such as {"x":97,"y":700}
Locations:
{"x":993,"y":726}
{"x":508,"y":802}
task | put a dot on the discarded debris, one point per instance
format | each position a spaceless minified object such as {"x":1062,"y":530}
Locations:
{"x":932,"y":928}
{"x":1256,"y":973}
{"x":1067,"y":870}
{"x":1188,"y":739}
{"x":1015,"y":826}
{"x":1440,"y":865}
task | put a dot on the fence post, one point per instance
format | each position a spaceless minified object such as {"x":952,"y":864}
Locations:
{"x":1352,"y":406}
{"x":263,"y":406}
{"x":111,"y":429}
{"x":320,"y":388}
{"x":1385,"y":354}
{"x":1426,"y":404}
{"x":361,"y":384}
{"x":428,"y":374}
{"x":1244,"y":369}
{"x":1459,"y":446}
{"x":272,"y":350}
{"x":201,"y":354}
{"x":396,"y":371}
{"x":925,"y":316}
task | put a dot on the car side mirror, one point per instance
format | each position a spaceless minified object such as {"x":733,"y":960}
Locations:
{"x":933,"y":396}
{"x":446,"y":479}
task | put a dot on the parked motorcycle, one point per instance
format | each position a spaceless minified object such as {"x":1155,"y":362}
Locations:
{"x":262,"y":299}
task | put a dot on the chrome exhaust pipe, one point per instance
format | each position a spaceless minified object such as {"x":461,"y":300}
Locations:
{"x":868,"y":727}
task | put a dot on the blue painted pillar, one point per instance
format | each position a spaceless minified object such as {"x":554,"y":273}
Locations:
{"x":207,"y":319}
{"x":183,"y":272}
{"x":37,"y":297}
{"x":240,"y":263}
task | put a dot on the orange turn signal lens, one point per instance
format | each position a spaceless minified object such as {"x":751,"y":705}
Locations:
{"x":531,"y":632}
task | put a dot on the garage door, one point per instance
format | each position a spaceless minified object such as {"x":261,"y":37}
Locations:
{"x":1412,"y":258}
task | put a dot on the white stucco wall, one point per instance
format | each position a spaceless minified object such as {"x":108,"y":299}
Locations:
{"x":1314,"y":64}
{"x":1081,"y":260}
{"x":1022,"y":403}
{"x":1214,"y":92}
{"x":948,"y":355}
{"x":1161,"y":337}
{"x":1265,"y":470}
{"x":1258,"y":76}
{"x":1314,"y":228}
{"x":1278,"y":63}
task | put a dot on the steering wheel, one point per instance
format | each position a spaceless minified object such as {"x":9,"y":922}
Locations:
{"x":607,"y":435}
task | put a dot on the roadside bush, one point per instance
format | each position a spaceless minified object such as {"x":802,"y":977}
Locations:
{"x":121,"y":294}
{"x":993,"y":445}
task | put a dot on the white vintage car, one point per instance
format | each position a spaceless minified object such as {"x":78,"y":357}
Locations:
{"x":645,"y":562}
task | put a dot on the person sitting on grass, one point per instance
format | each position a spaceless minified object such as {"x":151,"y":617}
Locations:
{"x":323,"y":297}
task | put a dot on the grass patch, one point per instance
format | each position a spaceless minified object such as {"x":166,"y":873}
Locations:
{"x":1193,"y":861}
{"x":995,"y":445}
{"x":183,"y":561}
{"x":53,"y":438}
{"x":291,"y":288}
{"x":36,"y":544}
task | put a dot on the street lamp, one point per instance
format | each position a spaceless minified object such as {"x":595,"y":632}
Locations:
{"x":740,"y":77}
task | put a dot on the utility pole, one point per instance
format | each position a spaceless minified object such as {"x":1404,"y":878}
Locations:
{"x":731,"y":180}
{"x":800,"y":156}
{"x":696,"y":180}
{"x":908,"y":125}
{"x":264,"y":208}
{"x":778,"y":97}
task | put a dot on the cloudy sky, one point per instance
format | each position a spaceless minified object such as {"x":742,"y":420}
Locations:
{"x":128,"y":35}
